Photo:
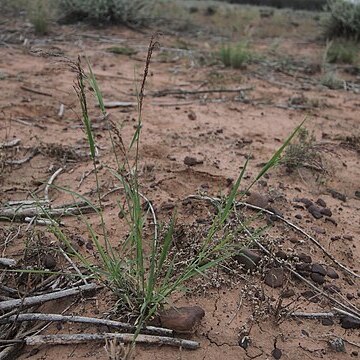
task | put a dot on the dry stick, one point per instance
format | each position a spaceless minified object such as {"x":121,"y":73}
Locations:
{"x":35,"y":211}
{"x":86,"y":320}
{"x":10,"y":143}
{"x":49,"y":183}
{"x":193,"y":92}
{"x":39,"y":299}
{"x":73,"y":265}
{"x":125,"y":338}
{"x":22,"y":161}
{"x":312,"y":315}
{"x":35,"y":91}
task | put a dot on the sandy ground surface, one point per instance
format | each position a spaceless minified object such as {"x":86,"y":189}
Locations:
{"x":219,"y":130}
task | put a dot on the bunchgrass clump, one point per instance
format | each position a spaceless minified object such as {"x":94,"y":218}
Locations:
{"x":332,"y":81}
{"x":40,"y":15}
{"x":303,"y":152}
{"x":236,"y":56}
{"x":342,"y":51}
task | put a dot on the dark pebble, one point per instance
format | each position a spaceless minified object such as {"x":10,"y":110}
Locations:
{"x":167,"y":206}
{"x":305,"y":201}
{"x":331,"y":273}
{"x":298,"y":216}
{"x":321,"y":202}
{"x":337,"y":195}
{"x":258,"y":200}
{"x":319,"y":279}
{"x":281,"y":254}
{"x":288,"y":293}
{"x":276,"y":353}
{"x":49,"y":262}
{"x":315,"y":211}
{"x":331,"y":220}
{"x":303,"y":267}
{"x":357,"y":194}
{"x":275,"y":277}
{"x":310,"y":296}
{"x":305,"y":258}
{"x":275,"y":211}
{"x":248,"y":258}
{"x":350,"y":296}
{"x":317,"y":268}
{"x":348,"y":322}
{"x":326,"y":212}
{"x":327,"y":322}
{"x":191,"y":161}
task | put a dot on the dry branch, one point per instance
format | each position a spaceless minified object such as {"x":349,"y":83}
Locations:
{"x":125,"y":338}
{"x":36,"y":300}
{"x":86,"y":320}
{"x":194,"y":92}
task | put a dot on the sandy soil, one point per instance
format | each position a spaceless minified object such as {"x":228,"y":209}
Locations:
{"x":219,"y":129}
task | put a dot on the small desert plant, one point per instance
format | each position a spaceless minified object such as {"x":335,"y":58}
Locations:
{"x":130,"y":12}
{"x":342,"y":51}
{"x":343,"y":19}
{"x":303,"y":152}
{"x":332,"y":81}
{"x":236,"y":56}
{"x":40,"y":15}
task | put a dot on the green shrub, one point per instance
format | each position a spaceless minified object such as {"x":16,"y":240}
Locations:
{"x":39,"y":15}
{"x":343,"y":20}
{"x":342,"y":52}
{"x":235,"y":56}
{"x":130,"y":12}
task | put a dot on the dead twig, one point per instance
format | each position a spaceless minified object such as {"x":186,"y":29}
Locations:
{"x":10,"y":143}
{"x":194,"y":92}
{"x":49,"y":183}
{"x":39,"y":92}
{"x":36,"y":300}
{"x":24,"y":160}
{"x":65,"y":339}
{"x":86,"y":320}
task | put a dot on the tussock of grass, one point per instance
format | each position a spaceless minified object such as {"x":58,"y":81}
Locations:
{"x":331,"y":80}
{"x":236,"y":56}
{"x":342,"y":51}
{"x":122,"y":50}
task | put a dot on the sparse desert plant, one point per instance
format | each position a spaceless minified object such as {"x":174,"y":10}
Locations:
{"x":343,"y":19}
{"x":130,"y":12}
{"x":303,"y":152}
{"x":236,"y":56}
{"x":342,"y":51}
{"x":332,"y":81}
{"x":40,"y":15}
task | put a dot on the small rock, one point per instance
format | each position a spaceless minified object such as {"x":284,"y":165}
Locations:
{"x":318,"y":278}
{"x":276,"y":353}
{"x":337,"y":344}
{"x":348,"y":322}
{"x":317,"y":268}
{"x":248,"y":258}
{"x":350,"y":296}
{"x":183,"y":319}
{"x":298,"y":216}
{"x":275,"y":211}
{"x":321,"y":202}
{"x":288,"y":293}
{"x":303,"y":267}
{"x":348,"y":237}
{"x":357,"y":194}
{"x":192,"y":115}
{"x":326,"y":212}
{"x":167,"y":206}
{"x":315,"y":211}
{"x":305,"y":201}
{"x":258,"y":200}
{"x":354,"y":353}
{"x":49,"y":262}
{"x":275,"y":277}
{"x":337,"y":195}
{"x":331,"y":273}
{"x":327,"y":322}
{"x":305,"y":258}
{"x":319,"y":230}
{"x":191,"y":161}
{"x":327,"y":219}
{"x":281,"y":254}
